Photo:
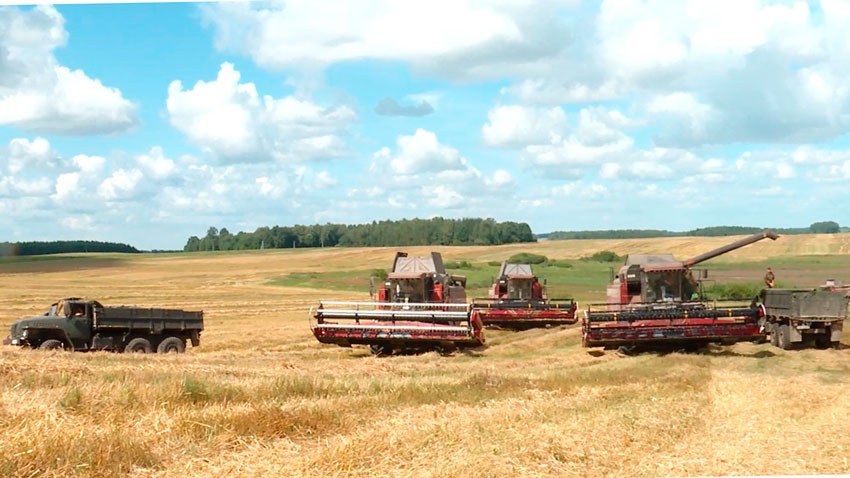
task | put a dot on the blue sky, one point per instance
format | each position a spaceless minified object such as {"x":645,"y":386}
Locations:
{"x":147,"y":123}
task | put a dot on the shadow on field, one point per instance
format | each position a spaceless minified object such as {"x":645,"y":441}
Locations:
{"x":725,"y":352}
{"x":711,"y":350}
{"x":59,"y":263}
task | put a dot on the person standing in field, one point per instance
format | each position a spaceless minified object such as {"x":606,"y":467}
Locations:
{"x":769,"y":279}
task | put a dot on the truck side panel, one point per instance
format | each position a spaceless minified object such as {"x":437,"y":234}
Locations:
{"x":154,"y":320}
{"x":805,"y":304}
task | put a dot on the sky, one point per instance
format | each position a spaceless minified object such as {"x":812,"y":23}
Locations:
{"x":149,"y":123}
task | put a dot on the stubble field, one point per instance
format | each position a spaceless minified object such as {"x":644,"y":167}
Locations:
{"x":261,"y":397}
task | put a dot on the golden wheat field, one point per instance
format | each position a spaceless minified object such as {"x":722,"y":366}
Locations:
{"x":260,"y":397}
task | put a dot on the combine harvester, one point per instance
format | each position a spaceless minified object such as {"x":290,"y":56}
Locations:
{"x":517,"y":300}
{"x":655,"y":301}
{"x":420,"y":308}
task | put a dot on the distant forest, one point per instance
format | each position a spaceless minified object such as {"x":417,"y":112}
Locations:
{"x":824,"y":227}
{"x":406,"y":232}
{"x":59,"y":247}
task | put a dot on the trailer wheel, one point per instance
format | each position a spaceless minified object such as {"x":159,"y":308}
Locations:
{"x":171,"y":345}
{"x":381,"y":350}
{"x":822,"y":342}
{"x":784,"y":340}
{"x":51,"y":344}
{"x":139,"y":345}
{"x":774,"y":335}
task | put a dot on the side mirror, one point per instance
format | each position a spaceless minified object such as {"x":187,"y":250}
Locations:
{"x":704,"y":274}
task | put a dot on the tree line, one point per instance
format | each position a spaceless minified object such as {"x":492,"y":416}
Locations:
{"x":33,"y":248}
{"x":823,"y":227}
{"x":405,"y":232}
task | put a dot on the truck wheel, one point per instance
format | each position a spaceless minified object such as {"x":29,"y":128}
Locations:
{"x":774,"y":335}
{"x":836,"y":345}
{"x":171,"y":345}
{"x":139,"y":345}
{"x":51,"y":344}
{"x":784,"y":336}
{"x":822,"y":342}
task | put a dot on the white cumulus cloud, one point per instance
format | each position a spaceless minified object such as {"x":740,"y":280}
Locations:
{"x":418,"y":153}
{"x":88,"y":164}
{"x":38,"y":94}
{"x":121,"y":185}
{"x":231,"y":120}
{"x":157,"y":164}
{"x":67,"y":186}
{"x":517,"y":125}
{"x":454,"y":38}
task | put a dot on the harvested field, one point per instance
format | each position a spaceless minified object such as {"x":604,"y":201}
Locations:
{"x":261,"y":397}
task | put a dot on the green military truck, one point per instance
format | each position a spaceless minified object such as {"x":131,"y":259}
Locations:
{"x":77,"y":324}
{"x":804,"y":316}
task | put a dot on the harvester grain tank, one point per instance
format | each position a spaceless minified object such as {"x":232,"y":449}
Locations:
{"x":655,"y":299}
{"x":518,"y":300}
{"x":420,"y":307}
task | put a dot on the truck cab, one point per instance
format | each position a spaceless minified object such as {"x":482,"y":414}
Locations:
{"x":68,"y":321}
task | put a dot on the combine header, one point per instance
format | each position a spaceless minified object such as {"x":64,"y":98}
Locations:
{"x":655,"y":300}
{"x":517,"y":301}
{"x":420,"y":307}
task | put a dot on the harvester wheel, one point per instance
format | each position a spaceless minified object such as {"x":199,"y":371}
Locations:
{"x":784,"y":340}
{"x":51,"y":344}
{"x":171,"y":345}
{"x":774,"y":335}
{"x":139,"y":345}
{"x":381,"y":350}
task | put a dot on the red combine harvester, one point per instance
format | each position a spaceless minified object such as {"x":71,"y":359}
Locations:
{"x":517,"y":301}
{"x":836,"y":286}
{"x":655,"y":300}
{"x":419,"y":308}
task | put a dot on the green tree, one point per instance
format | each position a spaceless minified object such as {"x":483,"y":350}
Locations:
{"x":825,"y":227}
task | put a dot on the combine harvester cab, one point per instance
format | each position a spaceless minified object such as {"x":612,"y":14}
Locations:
{"x":517,"y":300}
{"x":654,"y":301}
{"x":419,"y":308}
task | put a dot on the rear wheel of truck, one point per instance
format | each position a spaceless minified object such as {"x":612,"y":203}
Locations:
{"x":784,"y":340}
{"x":139,"y":345}
{"x":51,"y":344}
{"x":822,"y":342}
{"x":774,"y":334}
{"x":171,"y":345}
{"x":836,"y":345}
